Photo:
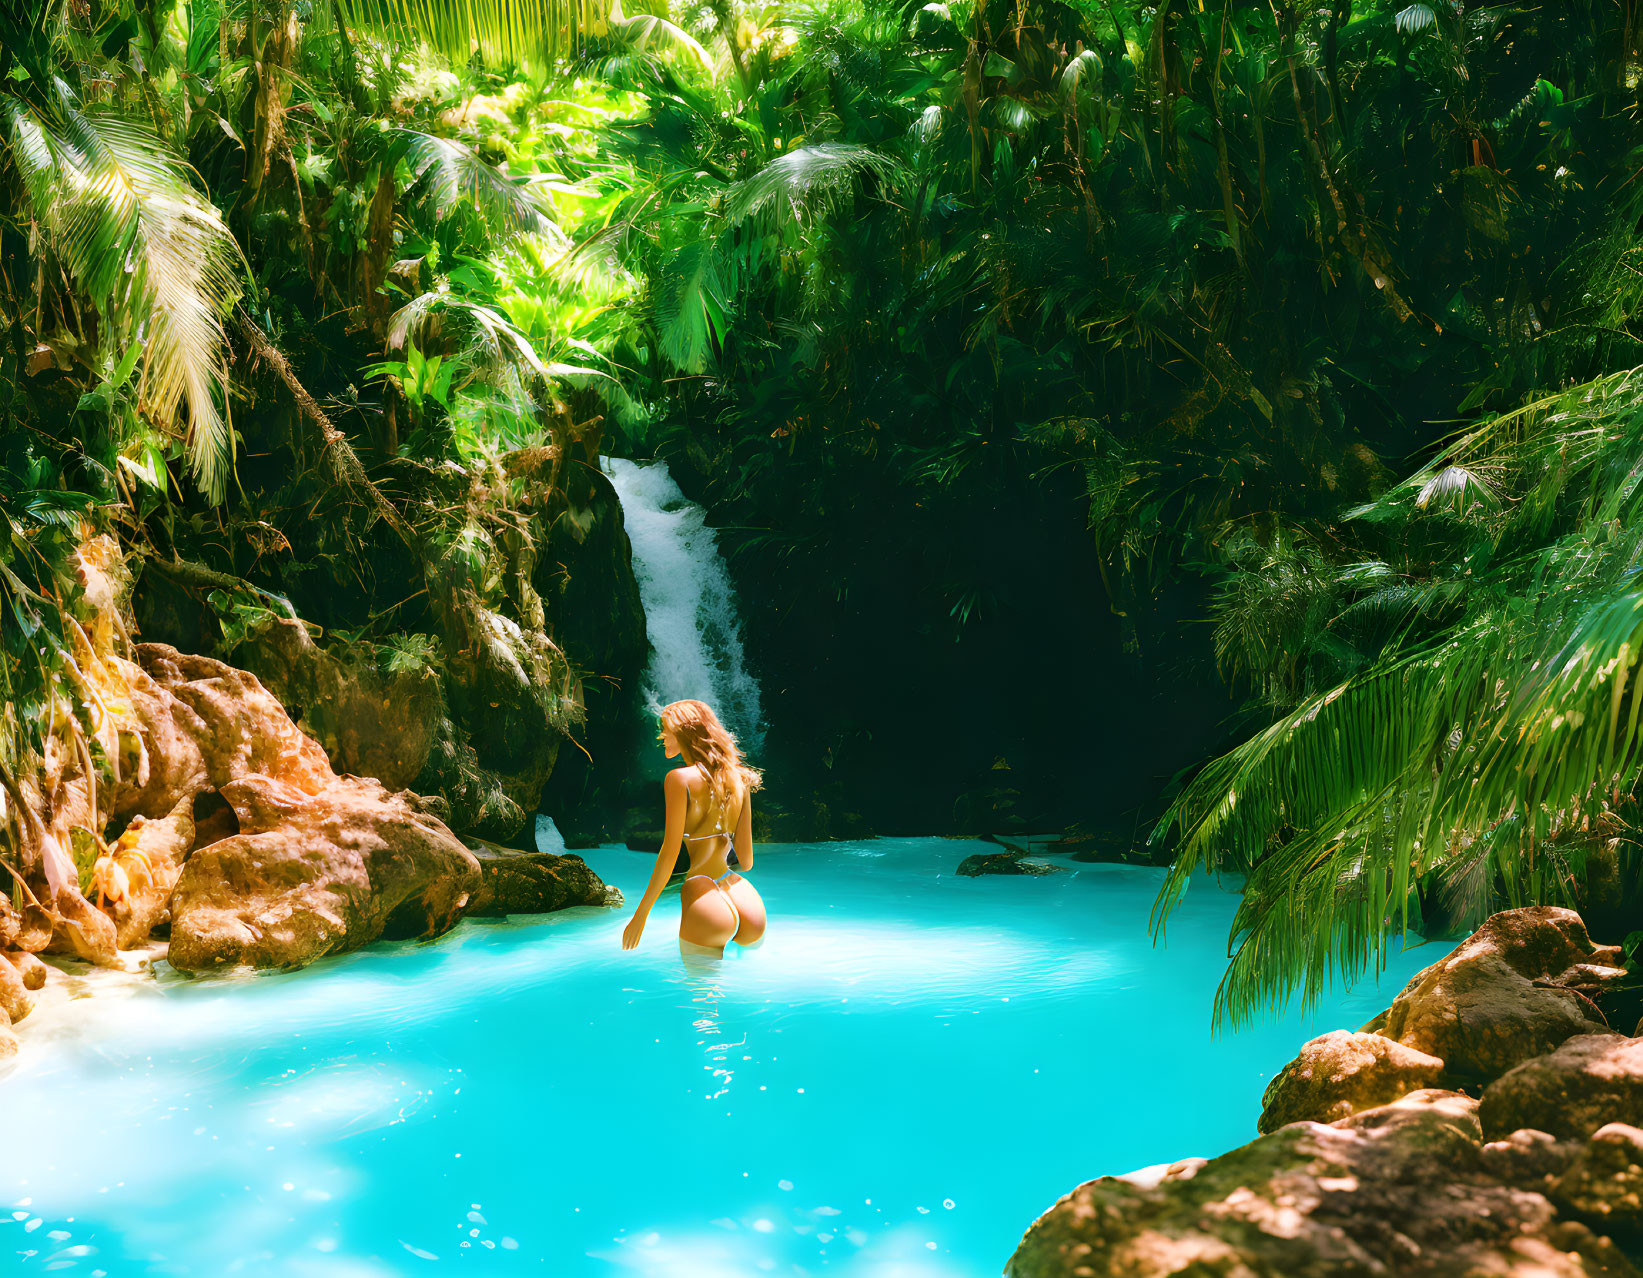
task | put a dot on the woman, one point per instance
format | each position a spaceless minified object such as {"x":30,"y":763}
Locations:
{"x":710,"y":810}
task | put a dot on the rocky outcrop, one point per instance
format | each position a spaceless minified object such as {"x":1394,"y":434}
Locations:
{"x":371,"y":721}
{"x":311,"y":874}
{"x":1398,"y":1189}
{"x":1339,"y":1073}
{"x":1505,"y":995}
{"x":230,"y":824}
{"x":514,"y":882}
{"x":1543,"y":1176}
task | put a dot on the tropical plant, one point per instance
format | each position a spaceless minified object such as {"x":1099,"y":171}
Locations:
{"x":1488,"y":743}
{"x":138,"y":241}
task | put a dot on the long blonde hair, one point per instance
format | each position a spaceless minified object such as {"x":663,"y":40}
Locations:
{"x":708,"y":744}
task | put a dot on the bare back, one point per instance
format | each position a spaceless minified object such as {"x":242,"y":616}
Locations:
{"x":708,"y":855}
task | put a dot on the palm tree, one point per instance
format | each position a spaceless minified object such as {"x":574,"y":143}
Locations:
{"x":116,"y":209}
{"x":1488,"y":746}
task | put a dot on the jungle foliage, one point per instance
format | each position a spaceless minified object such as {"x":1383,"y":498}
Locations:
{"x":997,"y":337}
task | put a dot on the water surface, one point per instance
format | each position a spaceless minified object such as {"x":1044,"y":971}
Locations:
{"x":908,"y":1071}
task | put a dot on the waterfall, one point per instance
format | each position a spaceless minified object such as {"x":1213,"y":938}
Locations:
{"x":690,"y":606}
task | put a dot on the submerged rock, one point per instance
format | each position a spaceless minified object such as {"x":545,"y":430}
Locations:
{"x":1503,"y":996}
{"x":1341,"y":1073}
{"x":1399,"y":1189}
{"x":515,"y":882}
{"x":1003,"y":863}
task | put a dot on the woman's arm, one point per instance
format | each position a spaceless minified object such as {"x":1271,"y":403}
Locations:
{"x":674,"y":792}
{"x":744,"y":834}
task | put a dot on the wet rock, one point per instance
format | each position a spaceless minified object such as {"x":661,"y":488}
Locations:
{"x":1501,"y":997}
{"x":1399,"y":1189}
{"x":30,"y":968}
{"x":586,"y":580}
{"x":1003,"y":863}
{"x":1605,"y":1182}
{"x":515,"y":882}
{"x":1589,"y":1081}
{"x":316,"y":873}
{"x":15,"y":999}
{"x":1108,"y":846}
{"x":1341,"y":1073}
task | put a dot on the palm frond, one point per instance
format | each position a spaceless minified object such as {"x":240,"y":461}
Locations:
{"x":809,"y":182}
{"x":692,"y":304}
{"x":449,"y":172}
{"x":1469,"y":751}
{"x":488,"y":333}
{"x":520,"y":31}
{"x":645,"y":32}
{"x":150,"y":252}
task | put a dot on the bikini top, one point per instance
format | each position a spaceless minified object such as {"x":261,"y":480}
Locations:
{"x":729,"y":852}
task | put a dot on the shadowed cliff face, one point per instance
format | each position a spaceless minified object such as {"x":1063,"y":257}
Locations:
{"x":526,"y":629}
{"x":1031,"y":702}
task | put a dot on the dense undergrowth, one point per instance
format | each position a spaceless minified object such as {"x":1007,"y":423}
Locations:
{"x":1004,"y":343}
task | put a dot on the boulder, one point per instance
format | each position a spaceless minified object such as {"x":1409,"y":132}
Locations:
{"x":202,"y":724}
{"x":1605,"y":1182}
{"x":1529,"y":1159}
{"x":1341,"y":1073}
{"x":15,"y":999}
{"x":1589,"y":1081}
{"x":514,"y":882}
{"x":30,"y":968}
{"x":1502,"y":996}
{"x":315,"y":873}
{"x":1399,"y":1189}
{"x":1003,"y":863}
{"x":239,"y":727}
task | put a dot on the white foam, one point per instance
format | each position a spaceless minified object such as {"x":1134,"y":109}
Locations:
{"x":548,"y":838}
{"x":690,"y":605}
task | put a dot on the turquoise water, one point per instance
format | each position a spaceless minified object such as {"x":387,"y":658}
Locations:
{"x":908,"y":1071}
